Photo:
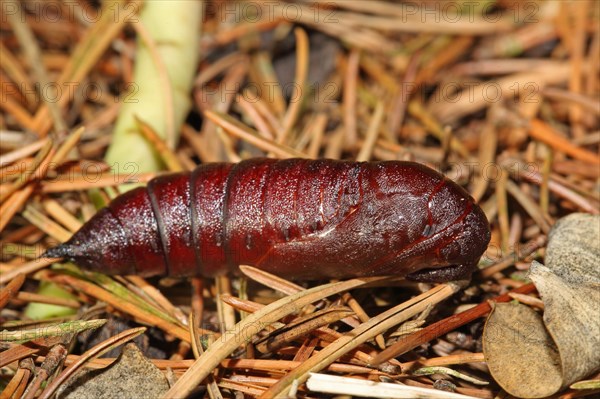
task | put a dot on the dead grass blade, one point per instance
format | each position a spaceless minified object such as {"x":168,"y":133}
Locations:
{"x":243,"y":132}
{"x":26,"y":268}
{"x":447,"y":360}
{"x":350,"y":98}
{"x":443,"y":327}
{"x":17,"y":384}
{"x":533,"y":209}
{"x":71,"y":327}
{"x":198,"y":350}
{"x":359,"y":335}
{"x":366,"y":150}
{"x":64,"y":217}
{"x":144,"y":315}
{"x":297,"y":100}
{"x":44,"y":223}
{"x":270,"y":280}
{"x":33,"y":54}
{"x":12,"y":205}
{"x":541,"y":131}
{"x":11,"y":289}
{"x":88,"y":51}
{"x":301,"y":327}
{"x":158,"y":298}
{"x":67,"y":146}
{"x":251,"y":325}
{"x":105,"y":179}
{"x":162,"y":148}
{"x":40,"y":163}
{"x":51,"y":300}
{"x":23,"y":152}
{"x":324,"y":383}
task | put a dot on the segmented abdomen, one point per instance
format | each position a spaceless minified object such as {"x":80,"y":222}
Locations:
{"x":223,"y":215}
{"x":297,"y":218}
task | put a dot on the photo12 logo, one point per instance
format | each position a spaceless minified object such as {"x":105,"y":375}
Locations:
{"x":271,"y":11}
{"x":468,"y":11}
{"x":43,"y":11}
{"x":55,"y":92}
{"x":466,"y":171}
{"x":90,"y":172}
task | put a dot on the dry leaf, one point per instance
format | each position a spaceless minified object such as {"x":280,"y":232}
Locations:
{"x":519,"y":351}
{"x":573,"y":251}
{"x":569,"y":285}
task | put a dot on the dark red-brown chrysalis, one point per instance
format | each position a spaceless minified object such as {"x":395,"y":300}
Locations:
{"x":296,"y":218}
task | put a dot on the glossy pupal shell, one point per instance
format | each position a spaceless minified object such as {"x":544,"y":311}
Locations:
{"x":297,"y":218}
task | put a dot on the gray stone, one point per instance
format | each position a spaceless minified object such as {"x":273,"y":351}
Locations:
{"x":131,"y":376}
